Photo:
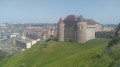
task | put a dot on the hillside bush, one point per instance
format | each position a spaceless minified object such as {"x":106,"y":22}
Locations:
{"x":70,"y":40}
{"x":48,"y":40}
{"x":114,"y":41}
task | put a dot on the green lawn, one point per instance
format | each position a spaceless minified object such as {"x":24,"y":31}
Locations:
{"x":62,"y":54}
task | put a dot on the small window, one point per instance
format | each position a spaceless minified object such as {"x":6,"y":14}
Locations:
{"x":81,"y":27}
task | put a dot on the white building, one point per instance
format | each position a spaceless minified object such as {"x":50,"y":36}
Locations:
{"x":24,"y":44}
{"x":92,"y":27}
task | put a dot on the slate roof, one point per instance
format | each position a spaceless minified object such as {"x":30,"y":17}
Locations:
{"x":80,"y":18}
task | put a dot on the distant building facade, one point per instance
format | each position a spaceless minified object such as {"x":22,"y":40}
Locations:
{"x":24,"y":44}
{"x":77,"y":29}
{"x":108,"y":28}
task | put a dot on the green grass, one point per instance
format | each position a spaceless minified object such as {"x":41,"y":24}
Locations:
{"x":62,"y":54}
{"x":115,"y":55}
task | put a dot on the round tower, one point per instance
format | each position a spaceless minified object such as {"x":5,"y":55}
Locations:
{"x":81,"y":32}
{"x":60,"y":30}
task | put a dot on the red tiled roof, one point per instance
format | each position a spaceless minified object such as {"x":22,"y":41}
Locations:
{"x":71,"y":18}
{"x":90,"y":22}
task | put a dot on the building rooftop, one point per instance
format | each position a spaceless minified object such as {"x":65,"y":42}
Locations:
{"x":71,"y":18}
{"x":90,"y":22}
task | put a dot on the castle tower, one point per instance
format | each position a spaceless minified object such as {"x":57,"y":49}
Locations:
{"x":60,"y":30}
{"x":81,"y":32}
{"x":82,"y":29}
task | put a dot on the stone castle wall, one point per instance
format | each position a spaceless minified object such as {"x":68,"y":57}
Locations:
{"x":69,"y":32}
{"x":90,"y":32}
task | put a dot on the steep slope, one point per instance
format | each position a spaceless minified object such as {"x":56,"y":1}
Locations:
{"x":2,"y":55}
{"x":61,"y":54}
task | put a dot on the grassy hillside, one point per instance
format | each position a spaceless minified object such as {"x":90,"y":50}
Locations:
{"x":62,"y":54}
{"x":2,"y":55}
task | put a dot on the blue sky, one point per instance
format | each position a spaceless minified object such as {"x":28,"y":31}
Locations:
{"x":49,"y":11}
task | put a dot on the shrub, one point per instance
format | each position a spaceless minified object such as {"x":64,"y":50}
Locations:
{"x":70,"y":40}
{"x":55,"y":39}
{"x":113,"y":41}
{"x":48,"y":40}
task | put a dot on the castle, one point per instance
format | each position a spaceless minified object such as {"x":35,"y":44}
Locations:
{"x":77,"y":29}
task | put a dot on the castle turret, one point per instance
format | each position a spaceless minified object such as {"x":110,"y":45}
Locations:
{"x":60,"y":30}
{"x":81,"y":32}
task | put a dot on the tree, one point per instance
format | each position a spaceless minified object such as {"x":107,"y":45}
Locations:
{"x":117,"y":30}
